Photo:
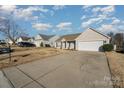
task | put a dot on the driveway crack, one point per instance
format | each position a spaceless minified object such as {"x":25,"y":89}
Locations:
{"x":50,"y":71}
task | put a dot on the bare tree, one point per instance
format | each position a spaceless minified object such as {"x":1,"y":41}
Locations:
{"x":119,"y":40}
{"x":111,"y":34}
{"x":10,"y":29}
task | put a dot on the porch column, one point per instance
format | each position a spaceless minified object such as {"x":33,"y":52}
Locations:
{"x":61,"y":45}
{"x":69,"y":45}
{"x":74,"y":45}
{"x":65,"y":44}
{"x":56,"y":44}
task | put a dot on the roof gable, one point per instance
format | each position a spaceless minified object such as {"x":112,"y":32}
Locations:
{"x":100,"y":33}
{"x":45,"y":37}
{"x":91,"y":35}
{"x":25,"y":38}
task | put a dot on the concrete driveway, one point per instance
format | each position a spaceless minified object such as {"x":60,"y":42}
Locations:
{"x":73,"y":69}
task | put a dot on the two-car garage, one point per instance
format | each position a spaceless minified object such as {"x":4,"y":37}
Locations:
{"x":91,"y":40}
{"x":90,"y":45}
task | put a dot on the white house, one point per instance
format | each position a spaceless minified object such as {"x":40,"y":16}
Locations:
{"x":89,"y":40}
{"x":23,"y":39}
{"x":31,"y":40}
{"x":9,"y":41}
{"x":45,"y":40}
{"x":52,"y":40}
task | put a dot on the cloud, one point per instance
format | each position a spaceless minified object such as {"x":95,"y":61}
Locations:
{"x":24,"y":14}
{"x":96,"y":9}
{"x":8,"y":8}
{"x":121,"y":27}
{"x":87,"y":6}
{"x":89,"y":22}
{"x":108,"y":9}
{"x":104,"y":10}
{"x":51,"y":13}
{"x":115,"y":28}
{"x":83,"y":17}
{"x":99,"y":15}
{"x":27,"y":13}
{"x":64,"y":26}
{"x":116,"y":21}
{"x":106,"y":27}
{"x":58,"y":7}
{"x":2,"y":23}
{"x":94,"y":20}
{"x":41,"y":26}
{"x":2,"y":18}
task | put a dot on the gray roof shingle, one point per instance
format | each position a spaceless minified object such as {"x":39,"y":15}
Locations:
{"x":70,"y":37}
{"x":46,"y":37}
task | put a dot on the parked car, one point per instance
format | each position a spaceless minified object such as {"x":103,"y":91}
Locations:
{"x":2,"y":43}
{"x":25,"y":44}
{"x":5,"y":50}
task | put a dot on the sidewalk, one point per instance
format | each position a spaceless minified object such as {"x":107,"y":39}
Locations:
{"x":4,"y":83}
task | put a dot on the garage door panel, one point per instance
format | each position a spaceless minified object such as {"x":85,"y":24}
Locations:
{"x":90,"y":46}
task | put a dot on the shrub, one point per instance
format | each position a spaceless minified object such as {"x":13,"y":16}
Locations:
{"x":107,"y":47}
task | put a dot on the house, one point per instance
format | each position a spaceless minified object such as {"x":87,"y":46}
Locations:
{"x":52,"y":40}
{"x":23,"y":39}
{"x":45,"y":40}
{"x":2,"y":43}
{"x":31,"y":39}
{"x":118,"y":42}
{"x":89,"y":40}
{"x":9,"y":41}
{"x":67,"y":41}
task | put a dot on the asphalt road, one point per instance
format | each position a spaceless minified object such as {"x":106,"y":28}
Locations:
{"x":69,"y":70}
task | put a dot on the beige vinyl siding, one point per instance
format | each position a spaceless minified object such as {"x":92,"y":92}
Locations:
{"x":90,"y":35}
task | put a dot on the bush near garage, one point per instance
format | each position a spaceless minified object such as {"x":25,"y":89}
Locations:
{"x":107,"y":47}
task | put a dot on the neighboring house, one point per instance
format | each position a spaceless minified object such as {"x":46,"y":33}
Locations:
{"x":118,"y":42}
{"x":52,"y":40}
{"x":67,"y":41}
{"x":2,"y":42}
{"x":9,"y":41}
{"x":42,"y":40}
{"x":89,"y":40}
{"x":23,"y":39}
{"x":31,"y":40}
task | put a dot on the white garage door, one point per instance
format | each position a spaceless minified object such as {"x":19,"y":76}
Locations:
{"x":90,"y":46}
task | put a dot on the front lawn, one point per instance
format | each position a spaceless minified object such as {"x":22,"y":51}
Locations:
{"x":116,"y":61}
{"x":24,"y":55}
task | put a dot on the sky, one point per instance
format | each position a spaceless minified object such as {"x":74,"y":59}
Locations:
{"x":61,"y":20}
